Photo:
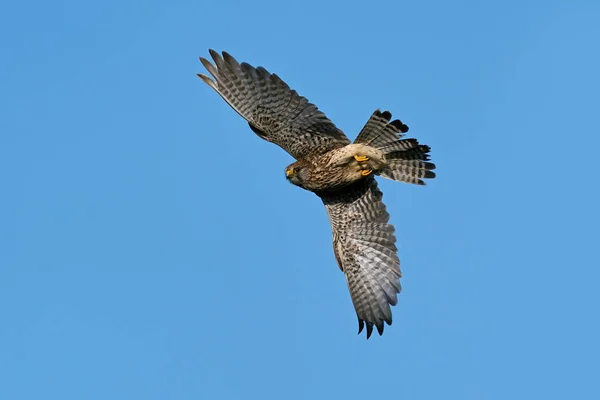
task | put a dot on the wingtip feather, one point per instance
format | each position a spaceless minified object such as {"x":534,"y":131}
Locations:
{"x":209,"y":67}
{"x":229,"y":59}
{"x":380,"y":327}
{"x":207,"y":80}
{"x":369,"y":329}
{"x":215,"y":55}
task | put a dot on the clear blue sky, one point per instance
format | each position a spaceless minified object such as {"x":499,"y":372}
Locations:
{"x":136,"y":264}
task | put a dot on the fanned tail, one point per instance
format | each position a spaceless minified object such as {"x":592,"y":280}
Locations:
{"x":406,"y":160}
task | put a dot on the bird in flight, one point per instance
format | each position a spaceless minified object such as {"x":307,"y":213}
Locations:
{"x":341,"y":173}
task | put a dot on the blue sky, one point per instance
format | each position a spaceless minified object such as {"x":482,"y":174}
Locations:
{"x":136,"y":263}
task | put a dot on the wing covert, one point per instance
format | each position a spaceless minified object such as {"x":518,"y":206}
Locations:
{"x":274,"y":112}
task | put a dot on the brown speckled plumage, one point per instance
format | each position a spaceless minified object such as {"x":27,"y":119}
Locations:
{"x":340,"y":173}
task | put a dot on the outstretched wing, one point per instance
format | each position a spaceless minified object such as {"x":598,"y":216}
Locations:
{"x":365,"y":249}
{"x":274,"y":111}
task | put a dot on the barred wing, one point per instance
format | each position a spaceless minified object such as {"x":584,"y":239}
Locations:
{"x":365,"y":249}
{"x":275,"y":112}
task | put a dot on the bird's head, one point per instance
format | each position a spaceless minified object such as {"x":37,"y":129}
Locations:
{"x":297,"y":173}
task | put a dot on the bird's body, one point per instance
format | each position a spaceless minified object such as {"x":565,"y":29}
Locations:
{"x":341,"y":173}
{"x":335,"y":169}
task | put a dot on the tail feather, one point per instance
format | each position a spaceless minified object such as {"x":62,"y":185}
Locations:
{"x":379,"y":132}
{"x":409,"y":171}
{"x":407,"y":146}
{"x":406,"y":160}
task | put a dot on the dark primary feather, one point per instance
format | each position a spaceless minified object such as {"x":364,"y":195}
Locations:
{"x":274,"y":111}
{"x":364,"y":246}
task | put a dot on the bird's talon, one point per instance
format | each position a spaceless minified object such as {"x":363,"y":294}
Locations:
{"x":366,"y":172}
{"x":361,"y":158}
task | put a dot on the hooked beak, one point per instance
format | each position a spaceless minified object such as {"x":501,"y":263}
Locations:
{"x":289,"y":172}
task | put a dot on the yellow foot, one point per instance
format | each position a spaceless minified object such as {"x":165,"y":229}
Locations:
{"x":366,"y":172}
{"x":361,"y":158}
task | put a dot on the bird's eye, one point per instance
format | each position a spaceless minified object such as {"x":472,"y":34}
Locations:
{"x":296,"y":170}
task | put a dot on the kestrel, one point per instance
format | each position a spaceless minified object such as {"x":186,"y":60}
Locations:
{"x":339,"y":172}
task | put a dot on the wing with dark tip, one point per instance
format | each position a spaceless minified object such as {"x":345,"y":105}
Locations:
{"x":364,"y":245}
{"x":275,"y":112}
